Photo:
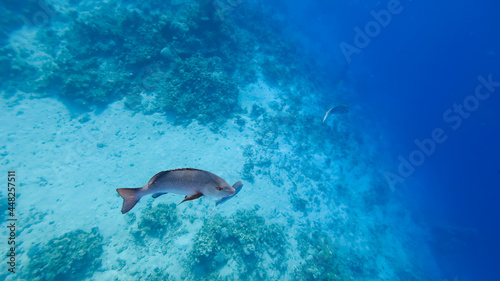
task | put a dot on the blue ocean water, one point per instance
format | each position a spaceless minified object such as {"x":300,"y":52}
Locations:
{"x":364,"y":132}
{"x":426,"y":60}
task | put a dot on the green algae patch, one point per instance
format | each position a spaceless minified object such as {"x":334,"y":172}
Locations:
{"x":245,"y":241}
{"x":72,"y":256}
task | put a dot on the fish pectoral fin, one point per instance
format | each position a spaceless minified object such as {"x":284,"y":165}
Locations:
{"x":192,"y":197}
{"x":156,"y":195}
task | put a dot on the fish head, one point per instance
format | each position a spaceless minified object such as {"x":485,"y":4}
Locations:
{"x":221,"y":189}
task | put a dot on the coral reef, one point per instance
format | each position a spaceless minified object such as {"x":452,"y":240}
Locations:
{"x":299,"y":145}
{"x":156,"y":222}
{"x":72,"y":256}
{"x":103,"y":58}
{"x":16,"y":13}
{"x":15,"y":73}
{"x":182,"y":54}
{"x":200,"y":89}
{"x":300,"y":204}
{"x":324,"y":260}
{"x":245,"y":240}
{"x":99,"y":61}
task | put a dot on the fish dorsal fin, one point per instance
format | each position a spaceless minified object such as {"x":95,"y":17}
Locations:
{"x":155,"y":177}
{"x":180,"y":169}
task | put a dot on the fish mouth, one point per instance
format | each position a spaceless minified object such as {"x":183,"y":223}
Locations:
{"x":232,"y":192}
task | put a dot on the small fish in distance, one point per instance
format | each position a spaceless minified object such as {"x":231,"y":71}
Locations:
{"x":192,"y":183}
{"x":336,"y":109}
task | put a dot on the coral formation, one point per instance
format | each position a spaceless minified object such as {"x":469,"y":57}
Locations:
{"x":157,"y":221}
{"x":276,"y":150}
{"x":200,"y":89}
{"x":182,"y":54}
{"x":246,"y":240}
{"x":15,"y":73}
{"x":324,"y":260}
{"x":72,"y":256}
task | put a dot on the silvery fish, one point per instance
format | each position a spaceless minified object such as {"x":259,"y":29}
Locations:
{"x":192,"y":183}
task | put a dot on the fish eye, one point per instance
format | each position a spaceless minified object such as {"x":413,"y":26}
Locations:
{"x":220,"y":188}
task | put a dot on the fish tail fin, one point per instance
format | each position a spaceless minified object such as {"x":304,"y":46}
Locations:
{"x":130,"y":198}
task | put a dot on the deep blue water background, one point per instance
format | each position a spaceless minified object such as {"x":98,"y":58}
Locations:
{"x":426,"y":60}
